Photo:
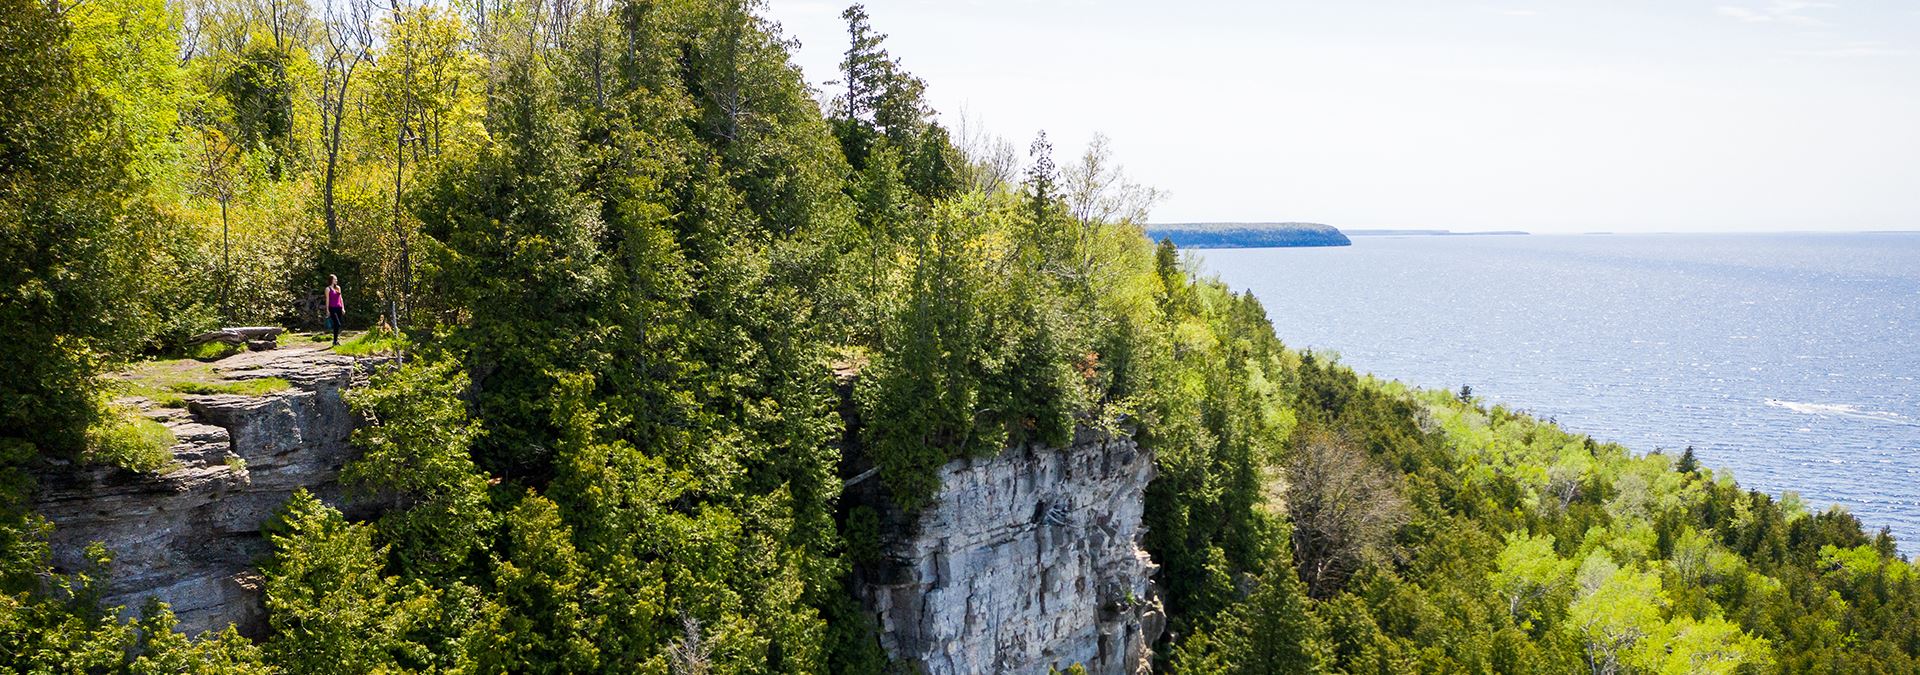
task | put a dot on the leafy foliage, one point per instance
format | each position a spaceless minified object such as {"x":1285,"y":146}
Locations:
{"x":65,"y":233}
{"x":130,"y":442}
{"x":660,"y":304}
{"x":330,"y":605}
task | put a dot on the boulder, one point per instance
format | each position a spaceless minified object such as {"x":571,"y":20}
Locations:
{"x":238,"y":335}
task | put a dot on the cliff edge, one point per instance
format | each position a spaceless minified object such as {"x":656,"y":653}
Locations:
{"x":190,"y":534}
{"x":1025,"y":561}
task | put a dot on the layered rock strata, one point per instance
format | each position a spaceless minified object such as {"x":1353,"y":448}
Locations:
{"x":1025,"y":561}
{"x":190,"y":535}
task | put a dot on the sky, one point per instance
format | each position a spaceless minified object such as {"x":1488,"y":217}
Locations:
{"x":1621,"y":116}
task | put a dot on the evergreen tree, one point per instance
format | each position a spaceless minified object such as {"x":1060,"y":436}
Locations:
{"x":331,"y":607}
{"x":542,"y":587}
{"x":864,"y":67}
{"x":1274,"y":630}
{"x":522,"y":260}
{"x":418,"y":454}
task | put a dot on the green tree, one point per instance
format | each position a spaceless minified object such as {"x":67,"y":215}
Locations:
{"x":1687,"y":463}
{"x":329,"y":604}
{"x":259,"y":91}
{"x":127,"y":50}
{"x":1532,"y":577}
{"x":69,"y":242}
{"x":541,"y":583}
{"x":416,"y":452}
{"x":1616,"y":614}
{"x":1713,"y":645}
{"x":1273,"y":630}
{"x":520,"y":258}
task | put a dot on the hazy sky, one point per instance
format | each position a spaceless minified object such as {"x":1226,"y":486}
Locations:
{"x":1623,"y":115}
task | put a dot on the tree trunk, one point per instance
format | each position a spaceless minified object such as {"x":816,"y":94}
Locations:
{"x":326,"y":190}
{"x":399,"y":227}
{"x":226,"y":264}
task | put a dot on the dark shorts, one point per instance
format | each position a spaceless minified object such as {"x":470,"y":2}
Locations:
{"x":336,"y":318}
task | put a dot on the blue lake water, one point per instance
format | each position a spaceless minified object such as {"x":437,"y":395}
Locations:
{"x":1790,"y":360}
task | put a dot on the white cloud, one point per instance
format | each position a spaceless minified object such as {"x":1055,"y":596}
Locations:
{"x":1780,"y":11}
{"x":1853,"y":50}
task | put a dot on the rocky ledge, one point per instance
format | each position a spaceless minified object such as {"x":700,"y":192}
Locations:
{"x":190,"y":535}
{"x":1026,"y":561}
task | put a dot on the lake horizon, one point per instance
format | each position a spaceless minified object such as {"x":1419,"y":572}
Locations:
{"x":1784,"y":358}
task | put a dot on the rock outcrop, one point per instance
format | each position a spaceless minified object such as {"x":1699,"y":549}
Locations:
{"x":1025,"y":561}
{"x":190,"y":535}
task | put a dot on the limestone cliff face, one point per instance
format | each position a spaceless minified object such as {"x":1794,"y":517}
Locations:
{"x":191,"y":535}
{"x":1025,"y":561}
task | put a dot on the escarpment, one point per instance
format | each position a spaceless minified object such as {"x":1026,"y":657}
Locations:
{"x":1028,"y":560}
{"x":189,"y":534}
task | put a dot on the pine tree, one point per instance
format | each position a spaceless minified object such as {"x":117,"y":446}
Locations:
{"x":521,"y":257}
{"x":330,"y":604}
{"x":864,"y":68}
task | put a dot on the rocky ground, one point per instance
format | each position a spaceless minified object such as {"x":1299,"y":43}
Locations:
{"x":189,"y":533}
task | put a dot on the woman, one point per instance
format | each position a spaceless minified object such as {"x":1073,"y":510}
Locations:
{"x":336,"y":308}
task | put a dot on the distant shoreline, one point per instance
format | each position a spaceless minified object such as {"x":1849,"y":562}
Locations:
{"x":1431,"y":233}
{"x":1306,"y":235}
{"x":1248,"y":235}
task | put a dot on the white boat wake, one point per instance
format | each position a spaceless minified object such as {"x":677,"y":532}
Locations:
{"x":1843,"y":410}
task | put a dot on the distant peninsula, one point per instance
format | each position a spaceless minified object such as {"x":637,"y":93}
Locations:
{"x":1248,"y":235}
{"x":1428,"y":233}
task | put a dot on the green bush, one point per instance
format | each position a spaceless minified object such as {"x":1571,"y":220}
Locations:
{"x":374,"y":341}
{"x":131,"y":442}
{"x":211,"y":351}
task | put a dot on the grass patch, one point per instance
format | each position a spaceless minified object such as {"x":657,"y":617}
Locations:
{"x":166,"y":398}
{"x":131,"y":442}
{"x":372,"y":342}
{"x":212,"y":351}
{"x":154,"y":389}
{"x":165,"y":382}
{"x":256,"y":387}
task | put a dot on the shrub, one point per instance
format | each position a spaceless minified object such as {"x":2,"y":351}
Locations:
{"x":375,"y":341}
{"x":211,"y":351}
{"x":130,"y":442}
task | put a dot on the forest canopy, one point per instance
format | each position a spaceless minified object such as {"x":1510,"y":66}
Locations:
{"x":662,"y":299}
